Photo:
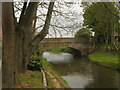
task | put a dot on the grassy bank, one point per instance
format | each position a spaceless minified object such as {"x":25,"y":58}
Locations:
{"x":60,"y":49}
{"x":54,"y":78}
{"x":107,"y":59}
{"x":33,"y":79}
{"x":64,"y":49}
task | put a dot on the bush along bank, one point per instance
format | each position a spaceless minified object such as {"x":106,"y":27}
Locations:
{"x":105,"y":58}
{"x":33,"y":78}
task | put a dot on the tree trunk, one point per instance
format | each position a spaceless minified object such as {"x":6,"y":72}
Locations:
{"x":24,"y":36}
{"x":113,"y":43}
{"x":18,"y":50}
{"x":27,"y":38}
{"x":18,"y":41}
{"x":8,"y":59}
{"x":28,"y":43}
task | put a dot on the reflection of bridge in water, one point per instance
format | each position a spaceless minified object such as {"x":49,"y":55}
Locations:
{"x":83,"y":45}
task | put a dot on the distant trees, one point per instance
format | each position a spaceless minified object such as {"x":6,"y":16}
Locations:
{"x":102,"y":18}
{"x":19,"y":39}
{"x":83,"y":33}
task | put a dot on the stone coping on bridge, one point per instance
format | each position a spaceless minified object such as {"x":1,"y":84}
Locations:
{"x":77,"y":40}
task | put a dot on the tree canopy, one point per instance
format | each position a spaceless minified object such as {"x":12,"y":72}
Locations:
{"x":103,"y":18}
{"x":83,"y":33}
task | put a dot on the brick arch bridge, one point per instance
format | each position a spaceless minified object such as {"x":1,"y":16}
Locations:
{"x":83,"y":45}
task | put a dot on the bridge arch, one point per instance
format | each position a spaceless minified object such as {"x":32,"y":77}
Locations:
{"x":80,"y":45}
{"x":66,"y":49}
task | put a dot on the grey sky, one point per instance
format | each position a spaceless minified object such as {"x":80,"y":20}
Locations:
{"x":73,"y":18}
{"x":77,"y":1}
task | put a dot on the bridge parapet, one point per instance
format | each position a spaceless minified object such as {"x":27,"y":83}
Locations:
{"x":82,"y":40}
{"x":80,"y":44}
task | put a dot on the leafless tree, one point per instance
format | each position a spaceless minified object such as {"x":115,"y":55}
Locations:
{"x":65,"y":20}
{"x":18,"y":40}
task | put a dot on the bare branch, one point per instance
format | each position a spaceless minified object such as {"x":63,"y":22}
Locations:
{"x":44,"y":31}
{"x":110,"y":11}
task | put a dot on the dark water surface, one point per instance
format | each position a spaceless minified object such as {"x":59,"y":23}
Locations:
{"x":0,"y":68}
{"x":81,"y":73}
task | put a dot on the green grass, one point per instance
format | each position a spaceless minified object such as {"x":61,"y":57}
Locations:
{"x":33,"y":79}
{"x":48,"y":68}
{"x":60,"y":49}
{"x":108,"y":59}
{"x":64,"y":49}
{"x":118,"y":44}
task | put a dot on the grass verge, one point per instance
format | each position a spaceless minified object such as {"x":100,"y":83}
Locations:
{"x":61,"y":49}
{"x":107,"y":59}
{"x":33,"y":79}
{"x":54,"y":79}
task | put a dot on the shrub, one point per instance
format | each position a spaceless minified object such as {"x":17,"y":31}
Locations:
{"x":83,"y":33}
{"x":34,"y":63}
{"x":37,"y":50}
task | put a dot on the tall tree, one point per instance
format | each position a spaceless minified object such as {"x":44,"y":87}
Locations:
{"x":102,"y":21}
{"x":18,"y":40}
{"x":8,"y":59}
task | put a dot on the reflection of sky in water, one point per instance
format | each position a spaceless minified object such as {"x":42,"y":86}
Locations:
{"x":77,"y":80}
{"x":55,"y":58}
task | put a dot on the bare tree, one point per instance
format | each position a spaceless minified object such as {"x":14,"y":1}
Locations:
{"x":8,"y":59}
{"x":18,"y":40}
{"x":65,"y":20}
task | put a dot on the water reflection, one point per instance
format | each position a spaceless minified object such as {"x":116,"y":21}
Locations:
{"x":58,"y":58}
{"x":80,"y":73}
{"x":0,"y":68}
{"x":0,"y":75}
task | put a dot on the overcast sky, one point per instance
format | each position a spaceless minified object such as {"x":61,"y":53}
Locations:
{"x":77,"y":12}
{"x":73,"y":19}
{"x":73,"y":16}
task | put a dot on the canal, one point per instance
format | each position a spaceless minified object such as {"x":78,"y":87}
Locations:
{"x":0,"y":66}
{"x":81,"y":73}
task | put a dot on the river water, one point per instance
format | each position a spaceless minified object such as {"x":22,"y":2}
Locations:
{"x":0,"y":67}
{"x":81,"y":73}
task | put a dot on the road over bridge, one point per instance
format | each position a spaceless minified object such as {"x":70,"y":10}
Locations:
{"x":83,"y":45}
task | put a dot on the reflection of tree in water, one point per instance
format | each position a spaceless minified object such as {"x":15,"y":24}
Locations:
{"x":77,"y":66}
{"x":102,"y":77}
{"x":0,"y":65}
